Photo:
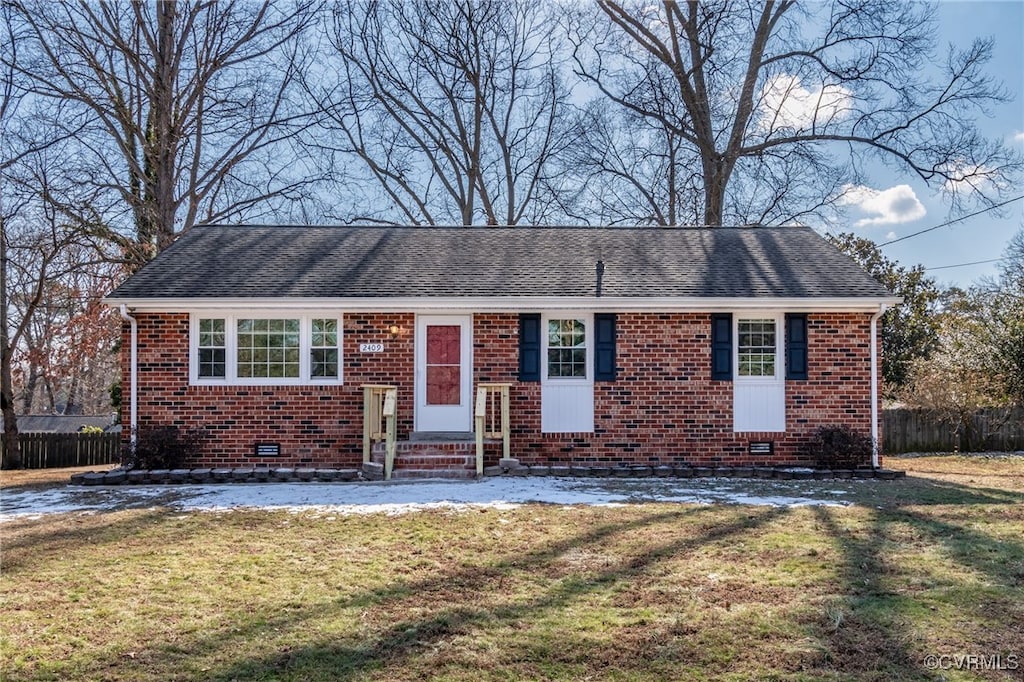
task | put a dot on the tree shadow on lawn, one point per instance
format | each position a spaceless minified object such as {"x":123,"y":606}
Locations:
{"x":32,"y":542}
{"x":870,"y":629}
{"x":1001,"y":560}
{"x":862,"y":628}
{"x":393,"y":646}
{"x":916,"y":490}
{"x":867,"y":632}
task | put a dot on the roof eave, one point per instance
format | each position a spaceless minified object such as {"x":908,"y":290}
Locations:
{"x":516,"y":303}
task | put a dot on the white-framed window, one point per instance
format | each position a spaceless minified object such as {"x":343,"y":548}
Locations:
{"x":257,"y":348}
{"x":324,"y":349}
{"x":268,"y":348}
{"x":212,"y":349}
{"x":757,"y":351}
{"x":567,"y":355}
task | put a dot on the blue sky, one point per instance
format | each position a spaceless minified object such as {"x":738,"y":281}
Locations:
{"x":983,"y":237}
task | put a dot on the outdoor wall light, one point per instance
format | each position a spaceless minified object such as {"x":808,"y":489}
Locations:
{"x":394,"y":330}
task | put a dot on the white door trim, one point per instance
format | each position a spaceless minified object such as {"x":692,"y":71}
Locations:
{"x":567,"y":404}
{"x":444,"y":418}
{"x":759,"y":403}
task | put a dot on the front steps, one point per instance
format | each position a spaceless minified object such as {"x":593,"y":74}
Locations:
{"x":430,"y":458}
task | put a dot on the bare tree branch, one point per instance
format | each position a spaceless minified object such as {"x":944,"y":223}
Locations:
{"x":179,"y":101}
{"x":755,"y":90}
{"x":456,"y":109}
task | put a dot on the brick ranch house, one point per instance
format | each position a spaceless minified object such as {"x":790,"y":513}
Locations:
{"x":700,"y":346}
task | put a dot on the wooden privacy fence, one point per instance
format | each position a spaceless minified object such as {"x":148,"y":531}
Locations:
{"x":920,"y":430}
{"x":50,"y":450}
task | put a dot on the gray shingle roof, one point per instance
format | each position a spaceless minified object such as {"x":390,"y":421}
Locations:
{"x":216,"y":261}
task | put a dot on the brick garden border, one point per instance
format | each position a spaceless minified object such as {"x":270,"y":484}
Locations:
{"x":506,"y":467}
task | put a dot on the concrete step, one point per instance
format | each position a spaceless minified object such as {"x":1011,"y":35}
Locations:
{"x":433,"y":456}
{"x":431,"y":462}
{"x":409,"y":474}
{"x":441,"y":436}
{"x":413,"y":447}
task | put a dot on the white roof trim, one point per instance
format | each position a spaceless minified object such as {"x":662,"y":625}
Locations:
{"x":502,"y":304}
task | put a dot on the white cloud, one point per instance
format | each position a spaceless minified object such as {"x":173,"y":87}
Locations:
{"x":890,"y":206}
{"x":1018,"y":136}
{"x":890,"y":236}
{"x":786,"y":103}
{"x":969,"y":177}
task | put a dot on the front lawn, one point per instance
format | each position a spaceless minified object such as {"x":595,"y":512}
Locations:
{"x":929,"y":566}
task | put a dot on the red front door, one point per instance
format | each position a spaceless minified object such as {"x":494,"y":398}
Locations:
{"x":443,"y":373}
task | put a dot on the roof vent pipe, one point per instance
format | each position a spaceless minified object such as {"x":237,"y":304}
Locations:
{"x":600,"y":276}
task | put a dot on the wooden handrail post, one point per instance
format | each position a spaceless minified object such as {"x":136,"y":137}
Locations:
{"x":480,"y":415}
{"x":389,"y":410}
{"x":506,"y":425}
{"x":492,"y":420}
{"x":367,"y":429}
{"x":377,"y":424}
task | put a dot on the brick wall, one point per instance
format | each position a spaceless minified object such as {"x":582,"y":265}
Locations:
{"x":315,"y":425}
{"x":663,"y":407}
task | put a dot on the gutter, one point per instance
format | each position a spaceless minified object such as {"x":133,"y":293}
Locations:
{"x":603,"y":303}
{"x":874,"y":384}
{"x":133,"y":413}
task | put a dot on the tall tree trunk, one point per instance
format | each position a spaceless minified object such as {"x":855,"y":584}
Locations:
{"x":12,"y":446}
{"x":163,"y":144}
{"x":71,"y":402}
{"x":716,"y":179}
{"x":29,"y":393}
{"x":11,"y":456}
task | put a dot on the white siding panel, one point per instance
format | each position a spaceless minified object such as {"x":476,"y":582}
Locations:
{"x":759,"y":406}
{"x":566,"y":407}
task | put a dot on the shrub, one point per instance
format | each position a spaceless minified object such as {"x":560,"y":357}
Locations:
{"x":840,"y":447}
{"x":163,"y":447}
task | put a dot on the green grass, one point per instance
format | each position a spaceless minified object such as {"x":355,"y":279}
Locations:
{"x":933,"y":564}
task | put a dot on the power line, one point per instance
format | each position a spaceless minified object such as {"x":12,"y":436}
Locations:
{"x":955,"y":220}
{"x":963,"y":265}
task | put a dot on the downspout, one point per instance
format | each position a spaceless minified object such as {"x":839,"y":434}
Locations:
{"x":133,"y":374}
{"x":874,"y":385}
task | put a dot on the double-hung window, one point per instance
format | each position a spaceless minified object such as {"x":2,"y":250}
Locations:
{"x":567,"y":349}
{"x":212,"y":349}
{"x":323,"y":350}
{"x":265,"y":349}
{"x":757,"y":347}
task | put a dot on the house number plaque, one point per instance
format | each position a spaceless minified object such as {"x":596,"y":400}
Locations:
{"x":371,"y":348}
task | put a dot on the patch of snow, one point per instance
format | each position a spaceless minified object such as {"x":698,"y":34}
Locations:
{"x":400,"y":497}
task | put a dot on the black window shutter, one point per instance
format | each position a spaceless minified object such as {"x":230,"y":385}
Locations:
{"x":604,"y":347}
{"x":796,"y":346}
{"x":721,"y":346}
{"x":529,"y":347}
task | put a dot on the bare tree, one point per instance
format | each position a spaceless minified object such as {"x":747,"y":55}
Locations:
{"x":456,"y":109}
{"x":632,"y":170}
{"x":185,"y":108}
{"x":66,"y":363}
{"x":765,"y":98}
{"x":49,"y":235}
